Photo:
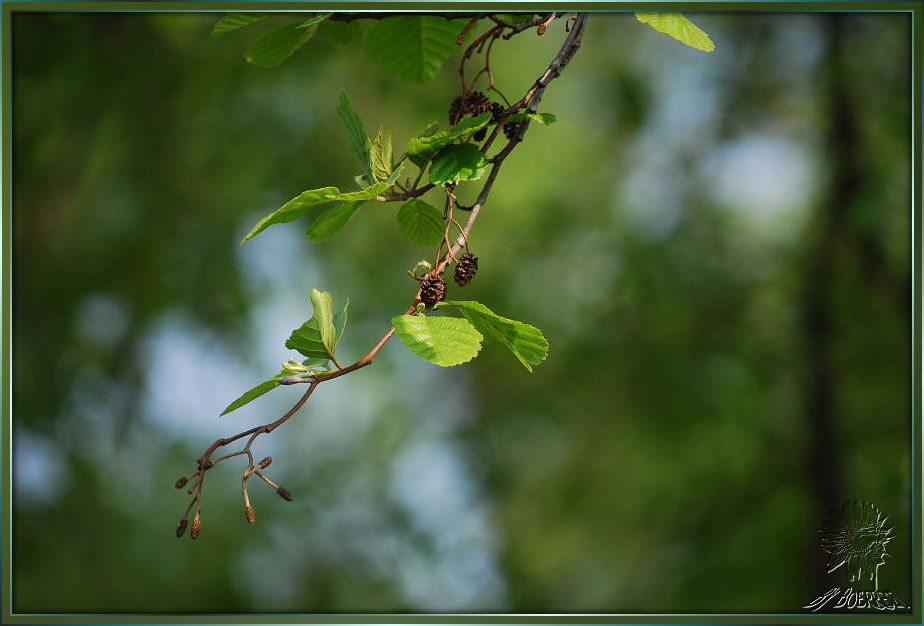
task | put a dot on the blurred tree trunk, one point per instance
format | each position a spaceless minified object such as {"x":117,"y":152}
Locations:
{"x":829,"y":231}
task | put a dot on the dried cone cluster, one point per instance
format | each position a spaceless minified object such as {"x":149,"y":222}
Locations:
{"x":474,"y":104}
{"x":432,"y":290}
{"x":511,"y":129}
{"x":466,"y":268}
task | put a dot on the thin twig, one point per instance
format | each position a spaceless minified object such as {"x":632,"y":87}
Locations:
{"x":531,"y":102}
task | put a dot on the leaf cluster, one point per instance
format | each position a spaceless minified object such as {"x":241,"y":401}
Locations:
{"x":316,"y":339}
{"x":448,"y":156}
{"x":445,"y":340}
{"x":412,"y":47}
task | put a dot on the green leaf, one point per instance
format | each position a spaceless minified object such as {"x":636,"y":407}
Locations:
{"x":370,"y":192}
{"x":542,"y":118}
{"x":333,"y":221}
{"x":341,"y":33}
{"x":431,"y":129}
{"x":317,"y":362}
{"x":233,"y":21}
{"x":324,"y":314}
{"x":457,"y":162}
{"x":314,"y":21}
{"x":421,"y":222}
{"x":381,"y":156}
{"x":678,"y":27}
{"x":253,"y":394}
{"x":293,"y":209}
{"x":308,"y":367}
{"x":413,"y":47}
{"x":525,"y":342}
{"x":421,"y":149}
{"x":278,"y":45}
{"x":356,"y":133}
{"x":318,"y":336}
{"x":340,"y":319}
{"x":445,"y":341}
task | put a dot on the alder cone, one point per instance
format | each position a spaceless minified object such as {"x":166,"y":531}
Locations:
{"x":497,"y":109}
{"x":455,"y":110}
{"x":432,"y":290}
{"x":473,"y":104}
{"x":477,"y":103}
{"x":466,"y":268}
{"x":511,"y":129}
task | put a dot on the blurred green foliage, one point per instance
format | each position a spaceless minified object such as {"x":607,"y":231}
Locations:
{"x":716,"y":246}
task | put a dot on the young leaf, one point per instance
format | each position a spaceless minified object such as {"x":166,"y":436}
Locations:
{"x":356,"y":133}
{"x":307,"y":340}
{"x":678,"y":27}
{"x":420,"y":222}
{"x":525,"y":342}
{"x":542,"y":118}
{"x":370,"y":192}
{"x":421,"y":149}
{"x":333,"y":221}
{"x":316,"y":363}
{"x":278,"y":45}
{"x":382,"y":154}
{"x":457,"y":162}
{"x":306,"y":367}
{"x":324,"y":314}
{"x":341,"y":33}
{"x":340,"y":319}
{"x":314,"y":21}
{"x":445,"y":341}
{"x":318,"y":336}
{"x":293,"y":209}
{"x":253,"y":394}
{"x":431,"y":129}
{"x":233,"y":21}
{"x":413,"y":47}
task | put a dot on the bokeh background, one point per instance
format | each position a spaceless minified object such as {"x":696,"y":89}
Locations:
{"x":717,"y":246}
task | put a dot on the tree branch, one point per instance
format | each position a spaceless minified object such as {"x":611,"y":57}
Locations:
{"x":530,"y":101}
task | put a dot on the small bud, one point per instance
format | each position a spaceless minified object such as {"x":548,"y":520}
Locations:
{"x":181,"y":527}
{"x":541,"y":29}
{"x":251,"y":514}
{"x":298,"y":368}
{"x":265,"y":462}
{"x":196,"y":529}
{"x":284,"y":494}
{"x":181,"y":482}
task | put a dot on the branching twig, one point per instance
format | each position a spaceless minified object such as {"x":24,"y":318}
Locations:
{"x":530,"y":101}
